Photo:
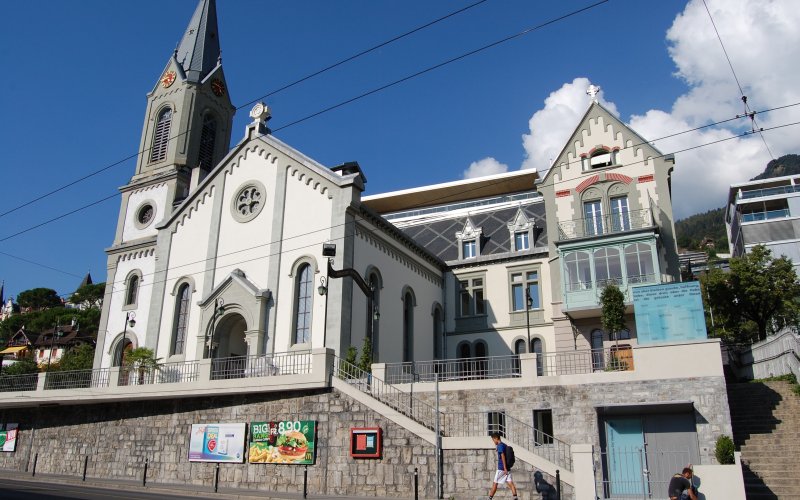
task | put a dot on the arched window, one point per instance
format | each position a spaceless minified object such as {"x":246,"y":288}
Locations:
{"x":408,"y":326}
{"x":519,"y":347}
{"x":607,"y":267}
{"x":208,"y":139}
{"x":597,"y":350}
{"x":161,"y":136}
{"x":181,"y":320}
{"x":373,"y":312}
{"x":437,"y":333}
{"x":579,"y":271}
{"x":601,"y":157}
{"x":464,"y":350}
{"x":132,"y":292}
{"x":536,"y":347}
{"x":639,"y":263}
{"x":303,"y":296}
{"x":120,"y":348}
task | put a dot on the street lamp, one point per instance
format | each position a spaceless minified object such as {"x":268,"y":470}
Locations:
{"x":56,"y":331}
{"x":128,"y":321}
{"x":528,"y":305}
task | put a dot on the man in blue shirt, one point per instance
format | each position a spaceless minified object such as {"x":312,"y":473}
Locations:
{"x":503,"y":475}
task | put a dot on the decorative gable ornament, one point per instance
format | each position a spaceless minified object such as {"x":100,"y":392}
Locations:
{"x":470,"y":232}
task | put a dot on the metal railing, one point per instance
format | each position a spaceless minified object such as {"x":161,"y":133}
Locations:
{"x":76,"y":379}
{"x":11,"y":383}
{"x":477,"y":424}
{"x":636,"y":473}
{"x":585,"y":361}
{"x":403,"y":402}
{"x":268,"y":365}
{"x":453,"y":369}
{"x":765,"y":215}
{"x":605,"y":224}
{"x":163,"y":373}
{"x":758,"y":193}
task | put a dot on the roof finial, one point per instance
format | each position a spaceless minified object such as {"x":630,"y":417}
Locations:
{"x":592,"y":92}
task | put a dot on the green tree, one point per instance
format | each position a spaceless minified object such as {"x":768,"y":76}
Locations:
{"x":612,"y":314}
{"x":39,"y":298}
{"x":91,"y":294}
{"x":365,"y":361}
{"x":80,"y":357}
{"x":756,"y":298}
{"x":21,"y":367}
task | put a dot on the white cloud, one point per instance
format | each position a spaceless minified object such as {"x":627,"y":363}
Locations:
{"x":486,"y":166}
{"x":763,"y":43}
{"x":551,"y":126}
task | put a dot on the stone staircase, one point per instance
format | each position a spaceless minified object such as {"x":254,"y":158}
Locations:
{"x":766,"y":429}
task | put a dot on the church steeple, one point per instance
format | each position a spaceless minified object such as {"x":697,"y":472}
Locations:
{"x":199,"y":50}
{"x":186,"y":131}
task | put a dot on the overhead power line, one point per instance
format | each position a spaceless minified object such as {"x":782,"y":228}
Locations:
{"x":273,"y":92}
{"x":754,"y":124}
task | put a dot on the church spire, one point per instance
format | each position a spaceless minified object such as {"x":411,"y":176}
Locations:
{"x":199,"y":49}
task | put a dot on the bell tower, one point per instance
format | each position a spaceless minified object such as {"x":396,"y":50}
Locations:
{"x":187,"y":126}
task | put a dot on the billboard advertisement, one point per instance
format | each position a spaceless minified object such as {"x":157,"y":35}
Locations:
{"x":8,"y":438}
{"x":669,"y":313}
{"x":289,"y":442}
{"x":217,"y":443}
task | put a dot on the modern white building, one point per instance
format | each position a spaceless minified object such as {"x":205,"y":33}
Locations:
{"x":765,"y":212}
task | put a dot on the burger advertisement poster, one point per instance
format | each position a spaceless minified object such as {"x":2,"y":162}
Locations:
{"x":289,"y":442}
{"x":217,"y":443}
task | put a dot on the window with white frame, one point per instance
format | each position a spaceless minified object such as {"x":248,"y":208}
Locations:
{"x":620,"y":215}
{"x":579,"y":271}
{"x":521,"y":241}
{"x":639,"y":263}
{"x":468,"y":249}
{"x":303,"y":301}
{"x":520,"y":283}
{"x":471,"y":297}
{"x":607,"y":266}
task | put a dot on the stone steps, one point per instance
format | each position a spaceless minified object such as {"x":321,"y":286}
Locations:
{"x":766,"y":428}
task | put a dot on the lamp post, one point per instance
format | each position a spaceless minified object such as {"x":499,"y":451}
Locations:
{"x":528,"y":305}
{"x":56,"y":331}
{"x":128,"y":321}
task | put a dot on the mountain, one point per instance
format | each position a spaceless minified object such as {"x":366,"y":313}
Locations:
{"x":693,"y":230}
{"x":785,"y":165}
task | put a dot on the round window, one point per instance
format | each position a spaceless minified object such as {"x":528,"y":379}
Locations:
{"x":145,"y":215}
{"x":249,"y":201}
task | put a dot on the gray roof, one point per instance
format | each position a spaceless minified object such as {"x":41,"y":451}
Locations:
{"x":439,"y":237}
{"x":199,"y":50}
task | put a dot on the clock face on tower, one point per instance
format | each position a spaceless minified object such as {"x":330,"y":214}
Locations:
{"x":217,"y":87}
{"x":168,"y":79}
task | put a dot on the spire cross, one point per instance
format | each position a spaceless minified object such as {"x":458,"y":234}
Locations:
{"x":592,"y":92}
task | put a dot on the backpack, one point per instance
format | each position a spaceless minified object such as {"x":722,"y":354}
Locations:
{"x":510,"y":459}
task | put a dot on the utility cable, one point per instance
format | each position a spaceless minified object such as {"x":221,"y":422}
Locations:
{"x":747,"y":110}
{"x":287,"y":86}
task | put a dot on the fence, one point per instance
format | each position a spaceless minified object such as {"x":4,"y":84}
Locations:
{"x":287,"y":363}
{"x":163,"y":373}
{"x":473,"y":424}
{"x":403,"y":402}
{"x":777,"y":355}
{"x":585,"y":361}
{"x":453,"y":369}
{"x":76,"y":379}
{"x":637,"y":472}
{"x":27,"y":382}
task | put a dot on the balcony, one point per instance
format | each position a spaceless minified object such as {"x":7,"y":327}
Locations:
{"x":774,"y":191}
{"x":605,"y":225}
{"x":765,"y":215}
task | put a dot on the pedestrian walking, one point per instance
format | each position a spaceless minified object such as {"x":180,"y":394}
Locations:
{"x":503,"y":473}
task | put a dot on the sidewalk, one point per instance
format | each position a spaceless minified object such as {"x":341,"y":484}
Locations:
{"x":173,"y":489}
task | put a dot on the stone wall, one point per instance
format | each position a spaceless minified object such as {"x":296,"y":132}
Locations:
{"x":119,"y":437}
{"x":575,"y":407}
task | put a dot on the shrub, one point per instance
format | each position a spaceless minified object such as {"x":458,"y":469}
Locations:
{"x":21,"y":367}
{"x":724,"y":450}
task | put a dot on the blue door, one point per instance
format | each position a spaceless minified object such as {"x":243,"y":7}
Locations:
{"x":625,"y":457}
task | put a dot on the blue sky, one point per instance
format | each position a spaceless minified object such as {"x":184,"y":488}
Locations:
{"x":77,"y":74}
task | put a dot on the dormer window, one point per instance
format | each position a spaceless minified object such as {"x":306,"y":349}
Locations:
{"x":520,"y":232}
{"x":469,"y":240}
